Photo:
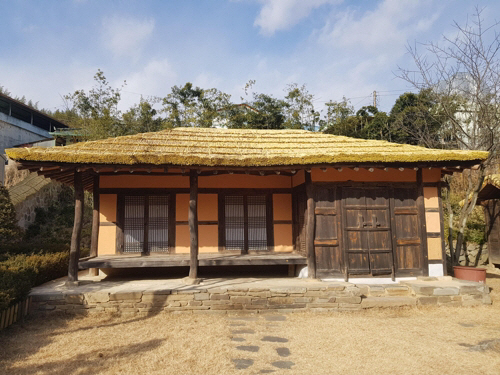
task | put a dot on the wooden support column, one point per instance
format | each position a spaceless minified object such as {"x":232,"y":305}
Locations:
{"x":193,"y":224}
{"x":423,"y":226}
{"x":74,"y":251}
{"x":310,"y":227}
{"x":95,"y":224}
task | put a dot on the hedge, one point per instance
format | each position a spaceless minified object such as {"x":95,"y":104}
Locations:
{"x":18,"y":274}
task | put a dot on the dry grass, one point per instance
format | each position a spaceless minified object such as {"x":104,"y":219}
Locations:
{"x":237,"y":147}
{"x":415,"y":341}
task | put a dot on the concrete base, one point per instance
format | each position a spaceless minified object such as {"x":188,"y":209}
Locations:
{"x":190,"y":281}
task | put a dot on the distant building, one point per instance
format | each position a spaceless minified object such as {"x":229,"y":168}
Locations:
{"x":21,"y":125}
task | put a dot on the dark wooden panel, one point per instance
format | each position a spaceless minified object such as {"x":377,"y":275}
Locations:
{"x":328,"y":259}
{"x":492,"y":218}
{"x":332,"y":242}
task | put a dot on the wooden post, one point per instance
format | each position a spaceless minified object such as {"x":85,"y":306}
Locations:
{"x":310,"y":226}
{"x":74,"y":251}
{"x":193,"y":224}
{"x":423,"y":226}
{"x":95,"y":224}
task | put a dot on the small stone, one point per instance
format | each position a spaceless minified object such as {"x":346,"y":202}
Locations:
{"x":468,"y":324}
{"x":242,"y":364}
{"x":283,"y":364}
{"x":275,"y":318}
{"x":237,"y":324}
{"x":238,"y":339}
{"x":266,"y":371}
{"x":241,"y":331}
{"x":283,"y":352}
{"x":245,"y":318}
{"x":274,"y":339}
{"x":248,"y":348}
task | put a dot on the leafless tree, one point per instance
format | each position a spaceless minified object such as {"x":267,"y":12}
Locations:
{"x":463,"y":74}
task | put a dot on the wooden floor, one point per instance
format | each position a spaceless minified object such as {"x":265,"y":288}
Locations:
{"x":179,"y":260}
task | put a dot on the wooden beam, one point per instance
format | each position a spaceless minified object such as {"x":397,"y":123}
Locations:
{"x":310,"y":224}
{"x":95,"y":224}
{"x":193,"y":224}
{"x":74,"y":252}
{"x":423,"y":226}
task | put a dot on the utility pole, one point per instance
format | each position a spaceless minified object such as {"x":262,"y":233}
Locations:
{"x":375,"y":98}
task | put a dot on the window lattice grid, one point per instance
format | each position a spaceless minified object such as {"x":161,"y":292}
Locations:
{"x":234,"y":212}
{"x":158,"y":224}
{"x":257,"y":223}
{"x":133,"y":226}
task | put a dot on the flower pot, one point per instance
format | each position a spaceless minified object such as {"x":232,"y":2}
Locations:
{"x":470,"y":273}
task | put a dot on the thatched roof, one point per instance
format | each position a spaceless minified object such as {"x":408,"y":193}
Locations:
{"x":490,"y":189}
{"x":239,"y":148}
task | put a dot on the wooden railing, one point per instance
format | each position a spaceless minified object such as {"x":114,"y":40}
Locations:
{"x":15,"y":313}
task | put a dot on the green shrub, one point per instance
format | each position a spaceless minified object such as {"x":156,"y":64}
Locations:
{"x":9,"y":231}
{"x":19,"y":273}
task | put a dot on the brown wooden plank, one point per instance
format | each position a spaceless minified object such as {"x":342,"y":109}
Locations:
{"x":193,"y":224}
{"x":222,"y":222}
{"x":95,"y":223}
{"x":441,"y":221}
{"x":74,"y":252}
{"x":329,"y":242}
{"x":325,"y":211}
{"x":423,"y":227}
{"x":405,"y":211}
{"x":171,"y":223}
{"x":120,"y":220}
{"x":310,"y":227}
{"x":414,"y":241}
{"x":269,"y":222}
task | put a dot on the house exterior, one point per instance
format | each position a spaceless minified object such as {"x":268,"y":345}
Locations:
{"x":344,"y":207}
{"x":489,"y":198}
{"x":20,"y":124}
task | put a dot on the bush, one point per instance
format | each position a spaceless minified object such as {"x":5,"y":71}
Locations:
{"x":18,"y":274}
{"x":9,"y":231}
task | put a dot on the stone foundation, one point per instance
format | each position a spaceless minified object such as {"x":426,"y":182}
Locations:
{"x":330,"y":297}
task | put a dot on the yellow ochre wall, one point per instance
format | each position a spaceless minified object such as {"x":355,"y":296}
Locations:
{"x":106,"y":243}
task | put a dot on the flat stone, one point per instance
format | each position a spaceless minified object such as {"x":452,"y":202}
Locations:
{"x":242,"y":331}
{"x":283,"y":352}
{"x":283,"y":364}
{"x":275,"y":318}
{"x":468,"y":324}
{"x":237,"y":324}
{"x":248,"y":348}
{"x":446,"y":291}
{"x":370,"y":302}
{"x":274,"y":339}
{"x":242,"y":364}
{"x":238,"y":339}
{"x":266,"y":371}
{"x":244,"y":318}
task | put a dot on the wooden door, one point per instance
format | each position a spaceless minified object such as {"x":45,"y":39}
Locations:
{"x":407,"y":236}
{"x":367,"y":230}
{"x":328,"y":252}
{"x":492,"y":216}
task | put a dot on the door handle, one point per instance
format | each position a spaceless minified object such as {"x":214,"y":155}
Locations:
{"x":374,"y":220}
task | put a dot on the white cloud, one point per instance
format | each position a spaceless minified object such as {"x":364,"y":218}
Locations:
{"x":125,"y":37}
{"x":387,"y":27}
{"x":283,"y":14}
{"x":155,"y":79}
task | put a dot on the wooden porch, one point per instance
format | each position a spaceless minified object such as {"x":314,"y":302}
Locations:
{"x":183,"y":260}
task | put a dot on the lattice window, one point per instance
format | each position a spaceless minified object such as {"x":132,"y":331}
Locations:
{"x":235,"y":223}
{"x":158,"y":224}
{"x":133,"y":226}
{"x":245,"y":223}
{"x":257,"y":228}
{"x":145,"y":226}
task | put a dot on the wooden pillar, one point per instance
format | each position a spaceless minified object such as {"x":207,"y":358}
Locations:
{"x":310,"y":227}
{"x":423,"y":226}
{"x":193,"y":224}
{"x":95,"y":224}
{"x":74,"y":251}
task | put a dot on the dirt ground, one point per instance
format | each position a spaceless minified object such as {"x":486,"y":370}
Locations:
{"x":413,"y":341}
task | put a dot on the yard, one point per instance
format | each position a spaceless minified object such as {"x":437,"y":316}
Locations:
{"x":416,"y":341}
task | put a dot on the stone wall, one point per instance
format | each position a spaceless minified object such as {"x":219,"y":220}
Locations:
{"x":334,"y":297}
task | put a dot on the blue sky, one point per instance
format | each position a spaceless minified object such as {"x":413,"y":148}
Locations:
{"x":337,"y":48}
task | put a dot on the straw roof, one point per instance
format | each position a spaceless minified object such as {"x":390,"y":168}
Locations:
{"x":213,"y":147}
{"x":492,"y":179}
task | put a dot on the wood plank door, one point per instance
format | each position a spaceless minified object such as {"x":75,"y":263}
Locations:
{"x":328,"y":252}
{"x":367,"y":230}
{"x":407,"y":232}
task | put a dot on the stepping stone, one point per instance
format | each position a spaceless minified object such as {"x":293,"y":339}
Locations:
{"x":242,"y":364}
{"x":468,"y":324}
{"x":275,"y":318}
{"x":283,"y":364}
{"x":248,"y":348}
{"x":283,"y":352}
{"x":238,"y":331}
{"x":244,"y":318}
{"x":237,"y":324}
{"x":266,"y":371}
{"x":274,"y":339}
{"x":239,"y":339}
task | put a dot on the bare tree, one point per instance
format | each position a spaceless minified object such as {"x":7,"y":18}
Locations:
{"x":463,"y":75}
